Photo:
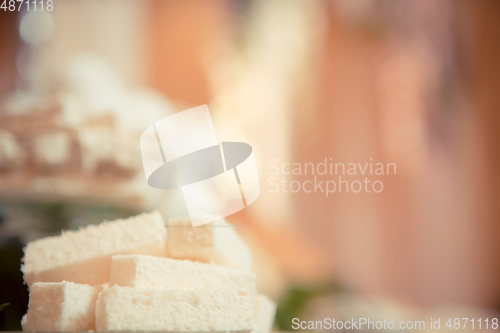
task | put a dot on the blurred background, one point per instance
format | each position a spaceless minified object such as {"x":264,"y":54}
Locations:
{"x":415,"y":83}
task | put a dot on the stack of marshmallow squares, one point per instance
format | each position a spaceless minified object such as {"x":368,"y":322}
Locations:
{"x":138,"y":275}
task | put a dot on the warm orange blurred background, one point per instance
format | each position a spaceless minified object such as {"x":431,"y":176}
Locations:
{"x":414,"y":83}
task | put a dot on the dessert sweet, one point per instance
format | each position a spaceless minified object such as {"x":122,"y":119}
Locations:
{"x":84,"y":256}
{"x":217,"y":242}
{"x":141,"y":271}
{"x":116,"y":276}
{"x":264,"y":311}
{"x":129,"y":309}
{"x":61,"y":307}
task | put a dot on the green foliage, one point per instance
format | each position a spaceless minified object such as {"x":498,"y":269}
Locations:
{"x":3,"y":306}
{"x":296,"y":301}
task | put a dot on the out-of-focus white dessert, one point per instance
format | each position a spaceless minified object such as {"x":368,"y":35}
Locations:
{"x":142,"y":290}
{"x":61,"y":307}
{"x":216,"y":242}
{"x":84,"y":256}
{"x":81,"y":141}
{"x":129,"y":309}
